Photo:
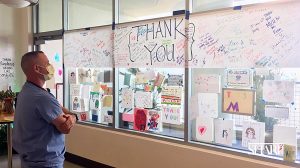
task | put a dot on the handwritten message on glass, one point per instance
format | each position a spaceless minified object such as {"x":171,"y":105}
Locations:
{"x":255,"y":36}
{"x":88,"y":48}
{"x":158,"y":43}
{"x":206,"y":83}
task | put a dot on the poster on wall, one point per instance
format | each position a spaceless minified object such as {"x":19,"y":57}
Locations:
{"x":208,"y":105}
{"x":175,"y":80}
{"x":224,"y":131}
{"x":206,"y":83}
{"x":72,"y":76}
{"x":95,"y":102}
{"x":285,"y":135}
{"x":253,"y":132}
{"x":171,"y":114}
{"x":159,"y":79}
{"x":277,"y":111}
{"x":76,"y":104}
{"x":106,"y":115}
{"x":107,"y":101}
{"x":205,"y":129}
{"x":127,"y":97}
{"x":127,"y":79}
{"x":75,"y":89}
{"x":83,"y":116}
{"x":140,"y":119}
{"x":85,"y":91}
{"x":140,"y":78}
{"x":143,"y":99}
{"x":154,"y":121}
{"x":239,"y":78}
{"x":278,"y":91}
{"x":85,"y":75}
{"x":171,"y":95}
{"x":238,"y":101}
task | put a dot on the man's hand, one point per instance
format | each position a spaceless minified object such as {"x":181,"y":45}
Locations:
{"x":71,"y":120}
{"x":64,"y":123}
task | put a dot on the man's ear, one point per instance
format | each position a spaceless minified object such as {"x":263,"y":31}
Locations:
{"x":36,"y":68}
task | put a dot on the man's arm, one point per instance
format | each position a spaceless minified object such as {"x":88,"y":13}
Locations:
{"x":66,"y":111}
{"x":64,"y":123}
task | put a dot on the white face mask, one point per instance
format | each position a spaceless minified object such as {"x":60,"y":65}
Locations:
{"x":50,"y":69}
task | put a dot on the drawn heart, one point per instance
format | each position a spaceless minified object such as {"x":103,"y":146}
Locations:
{"x":201,"y":130}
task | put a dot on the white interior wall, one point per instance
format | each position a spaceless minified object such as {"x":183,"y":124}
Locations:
{"x":15,"y":40}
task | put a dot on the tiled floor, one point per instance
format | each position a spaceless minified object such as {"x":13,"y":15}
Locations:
{"x":17,"y":163}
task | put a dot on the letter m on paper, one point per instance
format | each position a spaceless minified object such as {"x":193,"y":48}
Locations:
{"x":234,"y":107}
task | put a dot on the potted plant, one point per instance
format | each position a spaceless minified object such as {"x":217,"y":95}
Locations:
{"x":9,"y":98}
{"x":2,"y":96}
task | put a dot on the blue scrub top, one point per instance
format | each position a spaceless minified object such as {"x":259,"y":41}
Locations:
{"x":35,"y":138}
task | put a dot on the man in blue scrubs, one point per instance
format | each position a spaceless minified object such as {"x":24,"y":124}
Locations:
{"x":40,"y":121}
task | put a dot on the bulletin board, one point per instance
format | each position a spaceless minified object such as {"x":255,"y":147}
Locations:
{"x":238,"y":101}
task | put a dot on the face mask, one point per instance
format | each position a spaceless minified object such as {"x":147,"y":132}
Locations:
{"x":50,"y":69}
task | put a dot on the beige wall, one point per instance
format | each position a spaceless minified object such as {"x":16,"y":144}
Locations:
{"x":15,"y":40}
{"x":130,"y":151}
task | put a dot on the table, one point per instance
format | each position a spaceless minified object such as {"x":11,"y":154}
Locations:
{"x":8,"y":120}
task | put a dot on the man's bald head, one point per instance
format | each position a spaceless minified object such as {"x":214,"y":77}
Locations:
{"x":28,"y":60}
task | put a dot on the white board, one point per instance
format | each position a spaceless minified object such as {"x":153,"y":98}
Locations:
{"x":255,"y":36}
{"x":88,"y":48}
{"x":153,"y":43}
{"x":7,"y":63}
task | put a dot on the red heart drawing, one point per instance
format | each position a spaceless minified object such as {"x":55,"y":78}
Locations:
{"x":201,"y":130}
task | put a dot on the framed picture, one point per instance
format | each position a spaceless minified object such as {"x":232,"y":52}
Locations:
{"x":239,"y":78}
{"x":238,"y":101}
